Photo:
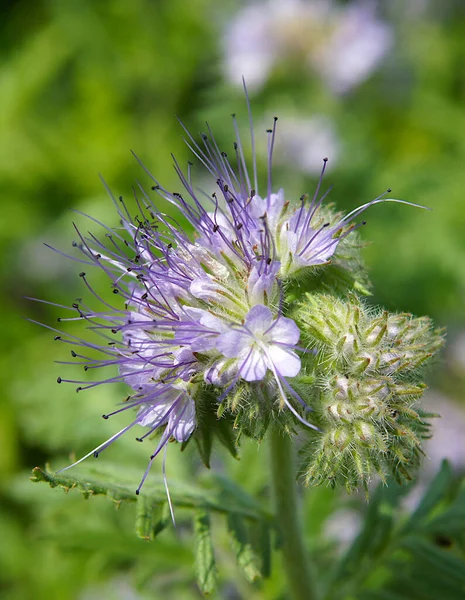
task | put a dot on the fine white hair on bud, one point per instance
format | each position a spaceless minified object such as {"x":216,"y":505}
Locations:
{"x":369,"y":378}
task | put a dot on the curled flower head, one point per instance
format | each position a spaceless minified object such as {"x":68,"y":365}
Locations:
{"x":211,"y":313}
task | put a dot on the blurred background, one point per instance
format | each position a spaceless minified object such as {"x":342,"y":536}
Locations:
{"x":378,"y":87}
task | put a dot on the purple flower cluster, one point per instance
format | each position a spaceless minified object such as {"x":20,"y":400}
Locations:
{"x":206,"y":311}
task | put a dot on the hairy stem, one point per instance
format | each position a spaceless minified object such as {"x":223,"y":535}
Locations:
{"x":299,"y":572}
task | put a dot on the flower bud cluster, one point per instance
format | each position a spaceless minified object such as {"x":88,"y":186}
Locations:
{"x":366,"y":365}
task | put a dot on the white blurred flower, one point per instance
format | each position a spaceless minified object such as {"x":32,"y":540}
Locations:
{"x":343,"y":44}
{"x":358,"y":43}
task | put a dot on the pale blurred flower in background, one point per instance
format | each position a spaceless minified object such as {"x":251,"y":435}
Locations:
{"x":343,"y":44}
{"x":305,"y":142}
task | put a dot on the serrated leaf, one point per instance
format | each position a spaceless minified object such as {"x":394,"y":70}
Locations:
{"x":215,"y":493}
{"x":205,"y":566}
{"x":242,"y":546}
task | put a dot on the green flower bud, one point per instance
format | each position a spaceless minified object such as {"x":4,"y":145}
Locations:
{"x":367,"y":368}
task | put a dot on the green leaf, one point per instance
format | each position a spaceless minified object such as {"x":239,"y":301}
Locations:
{"x":242,"y":546}
{"x":151,"y":519}
{"x":214,"y":493}
{"x":435,"y":493}
{"x":205,"y":566}
{"x":144,"y":518}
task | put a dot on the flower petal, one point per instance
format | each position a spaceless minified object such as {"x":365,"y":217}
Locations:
{"x":254,"y":367}
{"x":232,"y":343}
{"x":258,"y":319}
{"x":286,"y":362}
{"x":284,"y":331}
{"x":182,"y":420}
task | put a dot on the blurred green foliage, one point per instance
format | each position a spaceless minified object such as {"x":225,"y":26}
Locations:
{"x":81,"y":84}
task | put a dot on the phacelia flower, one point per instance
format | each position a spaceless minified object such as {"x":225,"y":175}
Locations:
{"x":343,"y":43}
{"x":206,"y":313}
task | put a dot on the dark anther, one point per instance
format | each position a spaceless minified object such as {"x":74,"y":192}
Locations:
{"x":215,"y":228}
{"x":98,"y":256}
{"x":226,"y":188}
{"x":58,"y":379}
{"x":78,"y":389}
{"x":275,"y":119}
{"x":137,"y":258}
{"x":95,"y":454}
{"x":325,"y":160}
{"x":252,"y":193}
{"x":57,"y":337}
{"x":191,"y":164}
{"x":120,"y":198}
{"x":155,"y":187}
{"x":239,"y":226}
{"x":105,"y":417}
{"x":326,"y":224}
{"x":114,"y":331}
{"x":139,"y":440}
{"x":169,"y":246}
{"x":86,"y":367}
{"x":235,"y":145}
{"x":59,"y":319}
{"x":269,"y":131}
{"x":74,"y":244}
{"x":303,"y":197}
{"x":116,"y":291}
{"x":204,"y":137}
{"x":73,"y":354}
{"x":269,"y":261}
{"x":112,"y":343}
{"x":233,"y":115}
{"x":364,"y":222}
{"x":82,"y":274}
{"x":75,"y":305}
{"x":389,"y":190}
{"x":129,"y":269}
{"x":224,"y":155}
{"x":144,"y":296}
{"x":137,"y":492}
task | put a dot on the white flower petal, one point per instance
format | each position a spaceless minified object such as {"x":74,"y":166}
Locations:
{"x":286,"y":362}
{"x":156,"y":415}
{"x":232,"y":343}
{"x":284,"y":331}
{"x":183,"y":425}
{"x":254,"y":367}
{"x":258,"y":319}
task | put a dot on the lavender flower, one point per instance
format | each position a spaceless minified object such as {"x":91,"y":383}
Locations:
{"x":205,"y":313}
{"x":343,"y":44}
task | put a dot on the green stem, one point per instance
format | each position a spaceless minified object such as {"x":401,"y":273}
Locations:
{"x":299,"y":572}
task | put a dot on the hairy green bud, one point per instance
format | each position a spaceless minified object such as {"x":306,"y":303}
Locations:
{"x":367,"y":369}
